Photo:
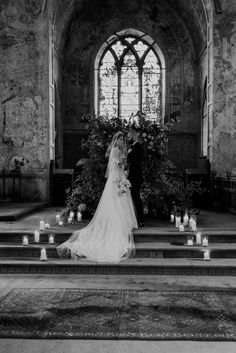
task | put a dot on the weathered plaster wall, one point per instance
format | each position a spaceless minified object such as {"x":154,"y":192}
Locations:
{"x":224,"y":115}
{"x":202,"y":73}
{"x":92,"y":26}
{"x":24,"y":92}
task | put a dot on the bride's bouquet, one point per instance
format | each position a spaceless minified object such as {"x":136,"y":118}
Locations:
{"x":123,"y":185}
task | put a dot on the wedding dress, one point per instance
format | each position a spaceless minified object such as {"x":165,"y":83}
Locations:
{"x":108,"y":237}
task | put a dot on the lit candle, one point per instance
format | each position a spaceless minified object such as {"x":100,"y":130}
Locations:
{"x":79,"y":216}
{"x":51,"y":239}
{"x":190,"y":241}
{"x":25,"y":240}
{"x":61,"y":223}
{"x":181,"y":227}
{"x":205,"y":241}
{"x":193,"y":225}
{"x":43,"y":255}
{"x":47,"y":225}
{"x":186,"y":219}
{"x":36,"y":236}
{"x":57,"y":218}
{"x":207,"y":255}
{"x":172,"y":217}
{"x":72,"y":214}
{"x":198,"y":238}
{"x":41,"y":225}
{"x":177,"y":221}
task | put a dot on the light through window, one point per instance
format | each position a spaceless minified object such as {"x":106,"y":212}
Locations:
{"x":129,"y":77}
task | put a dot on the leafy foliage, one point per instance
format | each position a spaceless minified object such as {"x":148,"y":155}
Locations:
{"x":163,"y":189}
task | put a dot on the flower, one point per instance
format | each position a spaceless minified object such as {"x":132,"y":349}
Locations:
{"x":123,"y":185}
{"x":82,"y":207}
{"x":81,"y":162}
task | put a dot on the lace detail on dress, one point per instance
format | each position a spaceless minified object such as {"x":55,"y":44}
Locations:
{"x":108,"y":237}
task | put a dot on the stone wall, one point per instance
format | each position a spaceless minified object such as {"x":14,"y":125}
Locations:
{"x":24,"y":93}
{"x":91,"y":27}
{"x":224,"y":114}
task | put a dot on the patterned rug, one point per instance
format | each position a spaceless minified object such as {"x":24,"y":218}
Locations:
{"x":118,"y":314}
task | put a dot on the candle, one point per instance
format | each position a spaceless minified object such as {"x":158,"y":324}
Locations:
{"x":25,"y":240}
{"x":47,"y":225}
{"x":51,"y":239}
{"x":57,"y":218}
{"x":185,"y":219}
{"x":193,"y":225}
{"x":205,"y":241}
{"x":207,"y":255}
{"x":41,"y":225}
{"x":72,"y":214}
{"x":43,"y":255}
{"x":198,"y":238}
{"x":190,"y":223}
{"x":69,"y":220}
{"x":172,"y":217}
{"x":177,"y":221}
{"x":79,"y":216}
{"x":190,"y":241}
{"x":36,"y":236}
{"x":181,"y":227}
{"x":60,"y":223}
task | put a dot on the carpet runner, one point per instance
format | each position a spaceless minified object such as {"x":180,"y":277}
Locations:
{"x":118,"y":314}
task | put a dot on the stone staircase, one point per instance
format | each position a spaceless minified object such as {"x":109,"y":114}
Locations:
{"x":159,"y":251}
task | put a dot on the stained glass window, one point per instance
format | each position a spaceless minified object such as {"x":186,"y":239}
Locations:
{"x":129,"y":77}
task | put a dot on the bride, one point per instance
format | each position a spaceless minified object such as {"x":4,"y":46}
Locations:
{"x":108,"y":237}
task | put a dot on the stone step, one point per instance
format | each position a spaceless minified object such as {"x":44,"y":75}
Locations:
{"x":132,"y":266}
{"x":12,"y":212}
{"x":143,"y":250}
{"x":151,"y":234}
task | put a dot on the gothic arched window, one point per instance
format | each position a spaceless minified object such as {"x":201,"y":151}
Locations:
{"x":130,"y":76}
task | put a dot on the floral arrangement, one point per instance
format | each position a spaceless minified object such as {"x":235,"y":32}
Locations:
{"x":82,"y":207}
{"x":123,"y":185}
{"x":163,"y":188}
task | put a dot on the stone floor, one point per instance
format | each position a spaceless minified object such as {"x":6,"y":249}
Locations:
{"x":208,"y":219}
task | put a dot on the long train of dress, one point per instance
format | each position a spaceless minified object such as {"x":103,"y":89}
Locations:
{"x":108,"y":237}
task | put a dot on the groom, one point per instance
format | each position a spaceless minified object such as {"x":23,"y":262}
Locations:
{"x":135,"y":176}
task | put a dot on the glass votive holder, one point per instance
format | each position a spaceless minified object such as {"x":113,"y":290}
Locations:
{"x":207,"y":255}
{"x":177,"y":220}
{"x":58,"y":218}
{"x":43,"y":254}
{"x":71,"y":214}
{"x":36,"y":236}
{"x":186,"y":219}
{"x":47,"y":225}
{"x":25,"y":240}
{"x":205,"y":240}
{"x":51,"y":239}
{"x":41,"y":225}
{"x":190,"y":240}
{"x":198,"y":238}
